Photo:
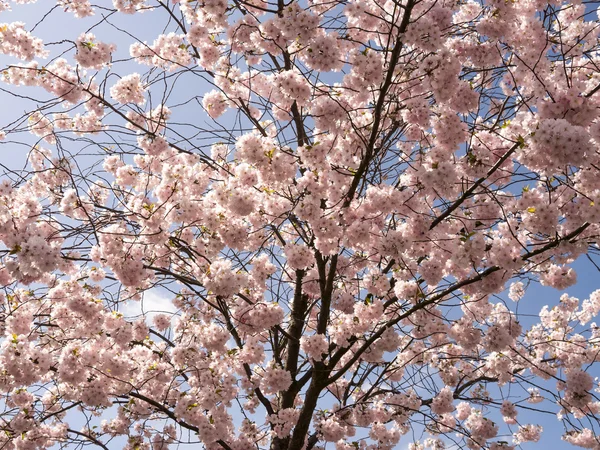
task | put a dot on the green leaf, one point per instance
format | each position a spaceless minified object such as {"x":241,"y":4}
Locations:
{"x":149,"y":207}
{"x":269,"y":154}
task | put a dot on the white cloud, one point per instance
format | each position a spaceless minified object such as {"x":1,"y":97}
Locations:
{"x":153,"y":302}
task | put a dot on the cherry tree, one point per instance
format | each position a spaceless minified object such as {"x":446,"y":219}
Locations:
{"x":338,"y":207}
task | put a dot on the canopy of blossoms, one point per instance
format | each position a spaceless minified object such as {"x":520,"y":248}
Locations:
{"x":340,"y":204}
